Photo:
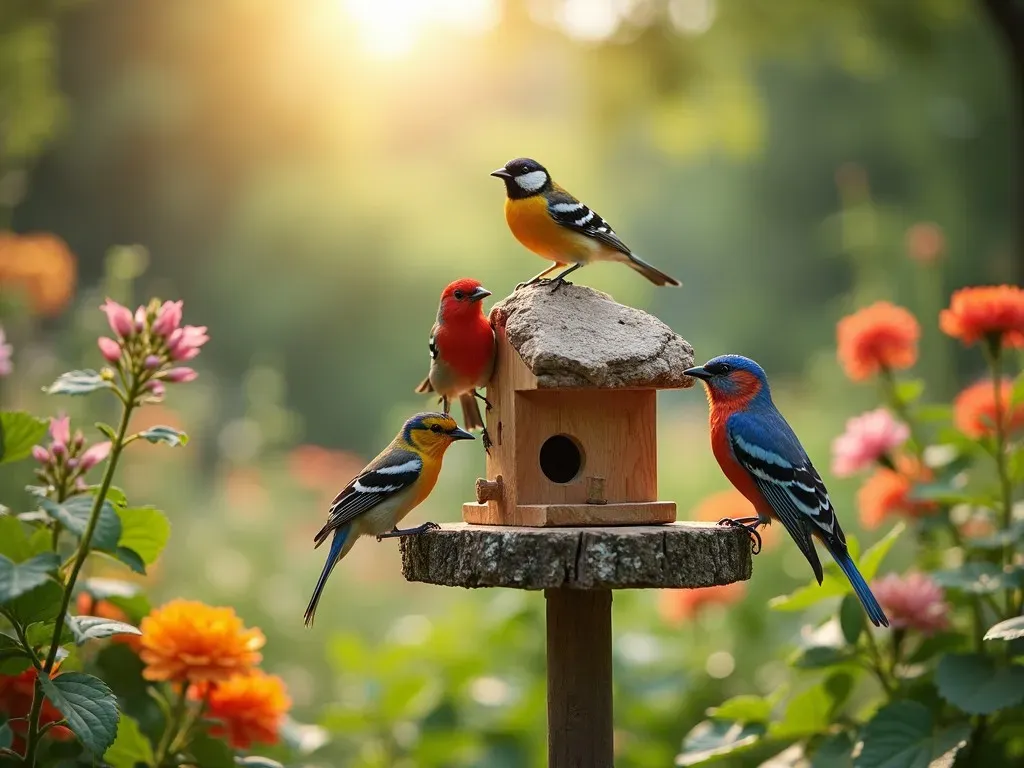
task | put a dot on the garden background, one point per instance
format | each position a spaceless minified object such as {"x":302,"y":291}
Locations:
{"x":307,"y":176}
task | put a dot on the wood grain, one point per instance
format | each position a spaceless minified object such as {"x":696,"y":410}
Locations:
{"x":554,"y":515}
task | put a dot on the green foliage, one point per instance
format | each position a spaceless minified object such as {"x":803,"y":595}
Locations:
{"x":1011,"y":629}
{"x":145,"y":531}
{"x":130,"y":747}
{"x":78,"y":383}
{"x":977,"y":685}
{"x":88,"y":705}
{"x":166,"y":435}
{"x":19,"y":431}
{"x":904,"y":735}
{"x":74,"y":515}
{"x":16,"y":579}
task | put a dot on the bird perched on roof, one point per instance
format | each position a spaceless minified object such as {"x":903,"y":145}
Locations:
{"x":388,"y":488}
{"x":556,"y":226}
{"x":762,"y":456}
{"x":462,"y":351}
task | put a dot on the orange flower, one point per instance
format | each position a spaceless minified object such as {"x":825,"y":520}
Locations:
{"x":678,"y":605}
{"x":16,"y":702}
{"x":86,"y":605}
{"x":732,"y":504}
{"x":249,"y":708}
{"x":974,"y":410}
{"x":188,"y":640}
{"x":925,"y":242}
{"x":42,"y":265}
{"x":881,"y":336}
{"x":994,"y":312}
{"x":886,"y":493}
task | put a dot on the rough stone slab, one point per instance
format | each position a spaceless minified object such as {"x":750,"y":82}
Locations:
{"x":581,"y":338}
{"x":685,"y":554}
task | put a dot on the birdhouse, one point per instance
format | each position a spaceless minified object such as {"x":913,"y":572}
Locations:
{"x":574,"y":403}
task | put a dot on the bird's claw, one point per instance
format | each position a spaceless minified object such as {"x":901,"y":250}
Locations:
{"x":485,"y":438}
{"x":559,"y":282}
{"x":755,"y":543}
{"x":396,"y":533}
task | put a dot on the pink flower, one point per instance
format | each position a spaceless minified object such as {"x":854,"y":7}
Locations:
{"x":180,"y":375}
{"x":152,"y":362}
{"x":913,"y":601}
{"x":60,"y":430}
{"x":184,"y":343}
{"x":109,"y":348}
{"x":140,"y":318}
{"x":867,"y":439}
{"x":94,"y":455}
{"x":119,"y":317}
{"x":156,"y":388}
{"x":40,"y":454}
{"x":168,"y":318}
{"x":6,"y":350}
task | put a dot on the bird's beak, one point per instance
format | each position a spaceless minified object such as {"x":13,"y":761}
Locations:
{"x":479,"y":294}
{"x":697,"y":372}
{"x":501,"y":173}
{"x":460,"y":434}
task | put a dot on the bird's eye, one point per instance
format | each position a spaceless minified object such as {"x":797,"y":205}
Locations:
{"x":459,"y":295}
{"x":724,"y":368}
{"x":436,"y":428}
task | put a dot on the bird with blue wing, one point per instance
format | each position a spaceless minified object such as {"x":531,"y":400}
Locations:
{"x":763,"y":458}
{"x":389,"y":487}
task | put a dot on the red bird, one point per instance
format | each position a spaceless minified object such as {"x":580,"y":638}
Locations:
{"x":462,"y":351}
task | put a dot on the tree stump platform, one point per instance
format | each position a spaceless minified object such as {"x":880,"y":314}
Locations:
{"x":578,"y":568}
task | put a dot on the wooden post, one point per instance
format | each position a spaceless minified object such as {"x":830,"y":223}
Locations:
{"x":579,"y":628}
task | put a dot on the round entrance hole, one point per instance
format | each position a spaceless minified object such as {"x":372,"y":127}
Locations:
{"x":561,"y":459}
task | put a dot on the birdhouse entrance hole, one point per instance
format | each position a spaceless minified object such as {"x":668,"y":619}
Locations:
{"x":561,"y":459}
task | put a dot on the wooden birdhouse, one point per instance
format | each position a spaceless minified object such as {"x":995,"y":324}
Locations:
{"x":573,"y":418}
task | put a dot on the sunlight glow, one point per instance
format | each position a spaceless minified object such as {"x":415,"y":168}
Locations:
{"x":392,"y":28}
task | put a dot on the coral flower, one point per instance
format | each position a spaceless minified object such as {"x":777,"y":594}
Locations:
{"x":40,"y":264}
{"x":188,"y":640}
{"x":868,"y":438}
{"x":887,"y":493}
{"x":881,"y":336}
{"x":248,"y":708}
{"x":974,"y":410}
{"x":913,"y":601}
{"x":730,"y":503}
{"x":679,"y":605}
{"x":925,"y":242}
{"x":991,"y":312}
{"x":16,"y":702}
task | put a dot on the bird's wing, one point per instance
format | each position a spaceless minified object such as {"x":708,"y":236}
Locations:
{"x":572,"y":214}
{"x":432,"y":342}
{"x":390,"y":473}
{"x":766,"y":447}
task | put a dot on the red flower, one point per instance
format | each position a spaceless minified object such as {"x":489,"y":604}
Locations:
{"x":886,"y":493}
{"x":16,"y":702}
{"x":679,"y":605}
{"x":992,"y":312}
{"x":881,"y":336}
{"x":925,"y":242}
{"x":974,"y":410}
{"x":249,"y":708}
{"x":913,"y":601}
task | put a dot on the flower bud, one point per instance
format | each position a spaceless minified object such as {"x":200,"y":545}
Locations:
{"x":119,"y":317}
{"x":180,"y":375}
{"x":156,"y":388}
{"x":79,"y":440}
{"x":168,"y":318}
{"x":94,"y":455}
{"x":109,"y":348}
{"x":40,"y":454}
{"x":152,"y":362}
{"x":59,"y":449}
{"x":72,"y":463}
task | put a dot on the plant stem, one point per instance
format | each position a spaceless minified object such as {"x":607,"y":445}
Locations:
{"x":901,"y":408}
{"x":995,"y":360}
{"x":876,"y":664}
{"x":173,"y":726}
{"x":32,"y":739}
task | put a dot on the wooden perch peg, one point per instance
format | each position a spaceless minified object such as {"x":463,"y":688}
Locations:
{"x":488,"y":490}
{"x":595,"y":491}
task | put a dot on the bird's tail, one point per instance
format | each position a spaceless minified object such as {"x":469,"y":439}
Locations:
{"x":867,"y":599}
{"x":471,"y":416}
{"x":651,"y":272}
{"x":424,"y":387}
{"x":338,"y":550}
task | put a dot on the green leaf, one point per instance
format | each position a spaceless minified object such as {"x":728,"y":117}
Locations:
{"x":944,"y":493}
{"x":74,"y":515}
{"x":130,"y":747}
{"x":851,"y":619}
{"x":131,"y":558}
{"x":13,"y":658}
{"x":258,"y":762}
{"x":123,"y":594}
{"x":115,"y":495}
{"x":1011,"y":629}
{"x":77,"y":383}
{"x":835,"y":751}
{"x":818,"y":656}
{"x":106,"y":430}
{"x":1017,"y":395}
{"x":96,"y":628}
{"x":807,"y":713}
{"x":88,"y":705}
{"x":908,"y":392}
{"x":17,"y":579}
{"x":19,"y":431}
{"x":163,"y":434}
{"x":871,"y":561}
{"x":933,"y":412}
{"x":903,"y":735}
{"x":13,"y":541}
{"x":41,"y":633}
{"x":1015,"y":466}
{"x":210,"y":752}
{"x":978,"y":578}
{"x":713,"y":738}
{"x":973,"y":682}
{"x":145,"y":531}
{"x":743,"y":709}
{"x":934,"y":645}
{"x":41,"y":604}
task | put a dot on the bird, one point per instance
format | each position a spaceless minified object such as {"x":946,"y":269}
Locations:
{"x":762,"y":457}
{"x":386,"y":490}
{"x":556,"y":226}
{"x":462,"y":351}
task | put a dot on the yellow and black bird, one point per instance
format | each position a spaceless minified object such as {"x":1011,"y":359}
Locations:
{"x":556,"y":226}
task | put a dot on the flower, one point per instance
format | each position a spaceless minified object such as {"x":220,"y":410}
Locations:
{"x":248,"y":708}
{"x":6,"y":350}
{"x":109,"y":348}
{"x":42,"y":265}
{"x":679,"y":605}
{"x":16,"y":702}
{"x":189,"y":640}
{"x":974,"y":409}
{"x":93,"y":455}
{"x":868,"y":438}
{"x":730,"y":503}
{"x":184,"y":343}
{"x":60,"y":429}
{"x":887,"y":493}
{"x":913,"y":601}
{"x":168,"y":318}
{"x":994,"y":312}
{"x":925,"y":242}
{"x":119,"y":317}
{"x":880,"y":336}
{"x":180,"y":375}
